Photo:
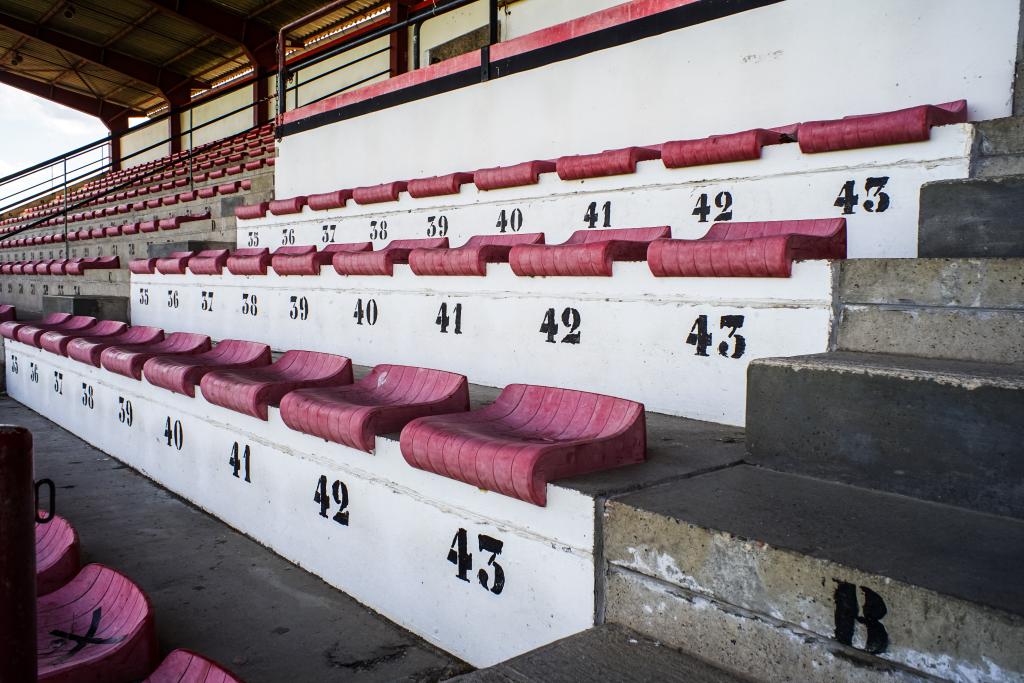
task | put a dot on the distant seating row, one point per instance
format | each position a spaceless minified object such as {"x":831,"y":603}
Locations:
{"x":169,"y":223}
{"x":76,"y":266}
{"x":528,"y":437}
{"x":852,"y":132}
{"x":763,"y":249}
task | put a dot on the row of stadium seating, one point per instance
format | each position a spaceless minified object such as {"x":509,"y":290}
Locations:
{"x":762,"y":249}
{"x":170,"y":223}
{"x":528,"y":437}
{"x":76,"y":266}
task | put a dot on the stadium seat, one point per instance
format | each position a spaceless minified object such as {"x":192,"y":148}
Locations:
{"x":472,"y":257}
{"x":97,"y":627}
{"x":609,"y":162}
{"x":526,"y":173}
{"x":306,"y":260}
{"x":94,"y":263}
{"x":9,"y":328}
{"x":873,"y":130}
{"x":719,"y":149}
{"x":128,"y":359}
{"x":328,"y":200}
{"x":585,"y":253}
{"x":252,"y":390}
{"x":175,"y":222}
{"x":7,"y":312}
{"x":56,"y":341}
{"x":180,"y":373}
{"x":183,"y":666}
{"x":143,"y":266}
{"x":30,"y":334}
{"x":248,"y":261}
{"x":283,"y":207}
{"x":438,"y":186}
{"x":88,"y":349}
{"x":208,"y":262}
{"x":376,"y":194}
{"x":175,"y":264}
{"x":251,"y":211}
{"x":381,"y":403}
{"x":529,"y":436}
{"x":382,"y":262}
{"x":57,"y":554}
{"x":765,"y":249}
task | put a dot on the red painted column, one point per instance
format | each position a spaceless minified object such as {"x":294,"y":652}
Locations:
{"x":399,"y":39}
{"x":17,"y":556}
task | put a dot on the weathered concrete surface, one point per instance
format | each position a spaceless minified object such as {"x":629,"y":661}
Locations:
{"x":955,"y":282}
{"x":1000,"y":144}
{"x":102,"y":307}
{"x":978,"y":217}
{"x":214,"y":590}
{"x":167,"y":248}
{"x":946,"y":431}
{"x":605,"y":653}
{"x":785,"y":548}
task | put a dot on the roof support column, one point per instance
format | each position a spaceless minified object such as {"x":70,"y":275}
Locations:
{"x":261,"y":102}
{"x":117,"y":125}
{"x":399,"y":11}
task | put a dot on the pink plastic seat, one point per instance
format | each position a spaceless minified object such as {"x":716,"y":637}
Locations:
{"x":181,"y":373}
{"x":249,"y":261}
{"x":184,"y":666}
{"x":383,"y":262}
{"x":142,"y":266}
{"x":586,"y":252}
{"x":439,"y":185}
{"x":874,"y":130}
{"x":57,"y":554}
{"x":306,"y":260}
{"x":529,"y":436}
{"x":252,"y":390}
{"x":606,"y":163}
{"x":176,"y":222}
{"x":284,"y":207}
{"x":328,"y":200}
{"x":57,"y":341}
{"x":208,"y":262}
{"x":251,"y":211}
{"x":31,"y":333}
{"x":381,"y":403}
{"x":375,"y":194}
{"x":526,"y":173}
{"x":472,"y":257}
{"x":9,"y":328}
{"x":95,"y":263}
{"x":719,"y":149}
{"x":764,"y":249}
{"x":7,"y":312}
{"x":97,"y":627}
{"x":87,"y":349}
{"x":128,"y":359}
{"x":175,"y":264}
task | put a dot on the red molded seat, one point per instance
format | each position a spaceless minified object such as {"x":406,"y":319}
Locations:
{"x":42,"y":268}
{"x":128,"y":359}
{"x":207,"y":192}
{"x":7,"y":312}
{"x":142,"y":266}
{"x":306,"y":260}
{"x":719,"y":149}
{"x":184,"y":666}
{"x":874,"y":130}
{"x":251,"y":390}
{"x":59,"y":267}
{"x":56,"y":341}
{"x":57,"y":554}
{"x":130,"y":228}
{"x":9,"y":328}
{"x":529,"y":436}
{"x":764,"y":249}
{"x":383,"y":262}
{"x":31,"y":334}
{"x":98,"y":627}
{"x":231,"y":187}
{"x":251,"y":211}
{"x":208,"y":262}
{"x":249,"y":261}
{"x":181,"y":373}
{"x":87,"y":349}
{"x":112,"y":231}
{"x":606,"y":163}
{"x":175,"y":264}
{"x":375,"y":194}
{"x":95,"y":263}
{"x":472,"y":257}
{"x":169,"y":200}
{"x":175,"y":222}
{"x":586,"y":252}
{"x":96,"y":233}
{"x":381,"y":403}
{"x":283,"y":207}
{"x":438,"y":185}
{"x":526,"y":173}
{"x":328,"y":200}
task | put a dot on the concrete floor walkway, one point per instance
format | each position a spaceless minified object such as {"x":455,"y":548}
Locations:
{"x":214,"y":590}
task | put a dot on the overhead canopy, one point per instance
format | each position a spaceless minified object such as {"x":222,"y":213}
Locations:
{"x":119,"y":58}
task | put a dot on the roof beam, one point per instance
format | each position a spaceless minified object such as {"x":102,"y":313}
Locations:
{"x":258,"y":39}
{"x":92,"y":106}
{"x":167,"y":82}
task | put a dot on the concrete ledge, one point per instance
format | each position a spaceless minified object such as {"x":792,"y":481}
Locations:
{"x":980,"y":217}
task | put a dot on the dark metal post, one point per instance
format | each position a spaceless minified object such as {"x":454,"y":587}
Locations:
{"x":66,"y":202}
{"x":493,"y":21}
{"x":18,"y":556}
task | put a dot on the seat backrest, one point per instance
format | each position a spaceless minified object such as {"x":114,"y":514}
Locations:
{"x":297,"y":250}
{"x":505,"y":240}
{"x":821,"y":227}
{"x":348,"y":246}
{"x":565,"y":413}
{"x":623,"y":234}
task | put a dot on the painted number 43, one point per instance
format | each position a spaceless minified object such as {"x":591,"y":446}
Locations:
{"x":459,"y":555}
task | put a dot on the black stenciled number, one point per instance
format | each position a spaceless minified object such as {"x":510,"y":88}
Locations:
{"x":174,"y":433}
{"x":591,"y":217}
{"x":87,"y":399}
{"x":327,"y":233}
{"x":367,"y":313}
{"x":570,"y":318}
{"x":459,"y":555}
{"x":287,"y":236}
{"x":58,"y":382}
{"x":207,"y":301}
{"x":513,"y":220}
{"x":33,"y":373}
{"x":125,"y":413}
{"x":437,"y":226}
{"x":701,"y":337}
{"x":722,"y":202}
{"x":143,"y":294}
{"x":299,"y":309}
{"x":239,"y":460}
{"x":339,"y":492}
{"x":378,"y":230}
{"x":14,"y":364}
{"x":254,"y":238}
{"x":444,"y":320}
{"x":875,"y":201}
{"x":172,"y":298}
{"x":849,"y":613}
{"x":249,"y":304}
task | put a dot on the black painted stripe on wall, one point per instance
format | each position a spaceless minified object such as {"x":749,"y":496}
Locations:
{"x":613,"y":36}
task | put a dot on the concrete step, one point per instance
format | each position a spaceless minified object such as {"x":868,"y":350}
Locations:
{"x":605,"y":653}
{"x":948,"y":431}
{"x":1000,"y":147}
{"x":967,"y":309}
{"x":977,"y":217}
{"x":789,"y":578}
